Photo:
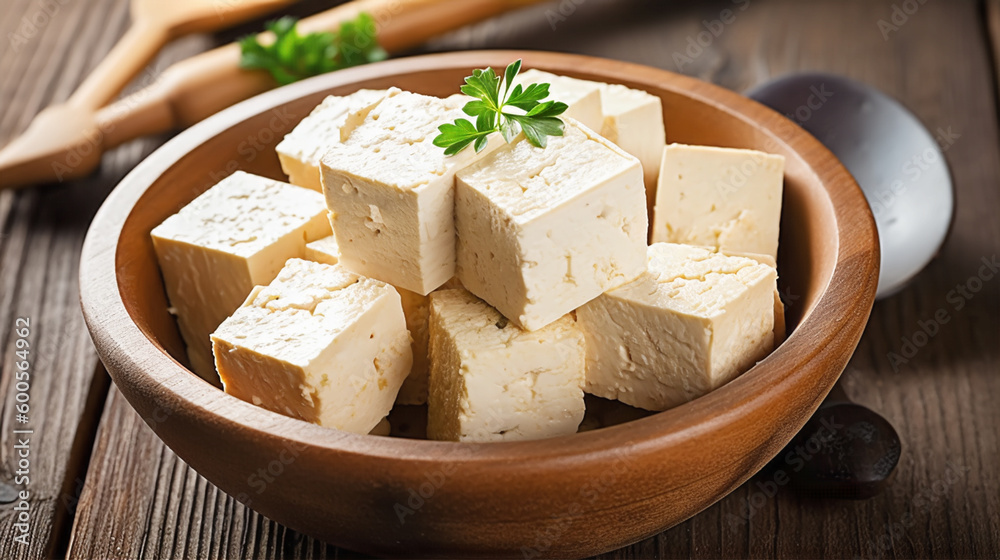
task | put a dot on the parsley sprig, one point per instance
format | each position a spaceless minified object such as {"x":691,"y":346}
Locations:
{"x":292,"y":57}
{"x":491,"y":107}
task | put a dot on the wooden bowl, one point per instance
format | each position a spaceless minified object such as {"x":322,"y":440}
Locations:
{"x":569,"y":496}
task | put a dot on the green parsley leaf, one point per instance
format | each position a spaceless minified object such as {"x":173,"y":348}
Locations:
{"x":547,"y":109}
{"x":455,"y":137}
{"x":493,"y":96}
{"x":537,"y":130}
{"x":527,"y":98}
{"x":485,"y":85}
{"x":511,"y":72}
{"x":292,"y":57}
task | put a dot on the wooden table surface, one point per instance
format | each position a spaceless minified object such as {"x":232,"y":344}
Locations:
{"x":103,"y":486}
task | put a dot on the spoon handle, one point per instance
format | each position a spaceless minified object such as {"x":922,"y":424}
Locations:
{"x":129,"y":56}
{"x":206,"y":83}
{"x":183,"y":94}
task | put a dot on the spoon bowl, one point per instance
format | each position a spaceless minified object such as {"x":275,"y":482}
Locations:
{"x":898,"y":163}
{"x":845,"y":451}
{"x":72,"y":141}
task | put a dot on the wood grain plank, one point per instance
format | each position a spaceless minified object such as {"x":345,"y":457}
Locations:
{"x":992,"y":15}
{"x":945,"y":501}
{"x":39,"y":263}
{"x":41,"y":232}
{"x":141,"y":501}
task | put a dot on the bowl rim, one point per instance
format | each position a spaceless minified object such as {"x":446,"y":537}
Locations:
{"x":140,"y":366}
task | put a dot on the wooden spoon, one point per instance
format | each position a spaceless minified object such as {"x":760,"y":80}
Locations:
{"x":66,"y":141}
{"x":59,"y":128}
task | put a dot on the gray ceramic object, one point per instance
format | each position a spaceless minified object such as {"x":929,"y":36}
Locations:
{"x":896,"y":160}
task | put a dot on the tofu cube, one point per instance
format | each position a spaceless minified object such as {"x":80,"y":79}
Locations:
{"x":630,"y":118}
{"x":779,"y":306}
{"x":390,"y":192}
{"x":236,"y":235}
{"x":693,"y":322}
{"x":323,"y":250}
{"x":719,"y":197}
{"x":302,"y":149}
{"x":633,"y":119}
{"x":543,"y":231}
{"x":320,"y":344}
{"x":416,"y":308}
{"x":458,"y":100}
{"x":491,"y":381}
{"x":582,"y":96}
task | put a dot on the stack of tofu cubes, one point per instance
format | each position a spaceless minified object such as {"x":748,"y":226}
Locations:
{"x":496,"y":287}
